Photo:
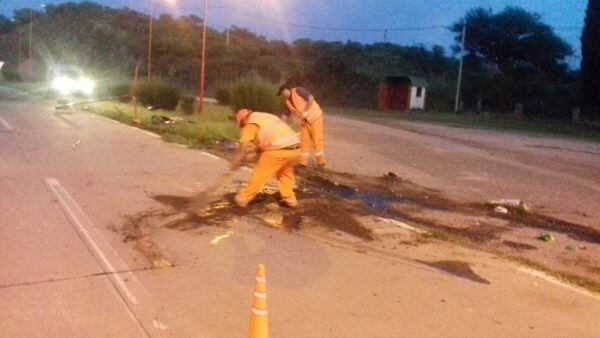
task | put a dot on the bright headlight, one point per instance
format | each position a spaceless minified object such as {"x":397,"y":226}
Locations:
{"x":64,"y":85}
{"x":86,"y":85}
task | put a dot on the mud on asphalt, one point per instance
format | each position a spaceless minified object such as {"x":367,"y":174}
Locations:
{"x":349,"y":206}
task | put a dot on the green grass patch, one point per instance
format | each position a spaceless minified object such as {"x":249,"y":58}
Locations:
{"x":29,"y":90}
{"x":535,"y":127}
{"x":213,"y":125}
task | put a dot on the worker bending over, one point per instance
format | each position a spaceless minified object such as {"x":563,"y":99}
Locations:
{"x":301,"y":104}
{"x":279,"y":148}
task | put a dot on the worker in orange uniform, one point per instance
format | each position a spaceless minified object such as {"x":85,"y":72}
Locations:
{"x":279,"y":148}
{"x":301,"y":104}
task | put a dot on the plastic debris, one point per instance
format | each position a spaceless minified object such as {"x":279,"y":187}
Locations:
{"x":162,"y":119}
{"x":76,"y":144}
{"x":501,"y":210}
{"x":227,"y":145}
{"x":511,"y":203}
{"x":160,"y":325}
{"x":547,"y":238}
{"x":218,"y":239}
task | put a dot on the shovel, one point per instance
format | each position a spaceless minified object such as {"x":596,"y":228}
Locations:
{"x":202,"y":199}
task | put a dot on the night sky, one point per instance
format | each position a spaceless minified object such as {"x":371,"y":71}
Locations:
{"x":340,"y":19}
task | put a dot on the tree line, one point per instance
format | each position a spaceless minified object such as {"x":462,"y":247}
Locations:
{"x":512,"y":57}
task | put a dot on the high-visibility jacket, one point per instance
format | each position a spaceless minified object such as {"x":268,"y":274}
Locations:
{"x":273,"y":133}
{"x":298,"y":103}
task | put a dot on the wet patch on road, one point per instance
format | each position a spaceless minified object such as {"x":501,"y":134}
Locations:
{"x":332,"y":214}
{"x":458,"y":268}
{"x":519,"y":246}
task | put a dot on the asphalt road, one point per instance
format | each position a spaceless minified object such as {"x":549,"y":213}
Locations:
{"x":67,"y":179}
{"x":558,"y":177}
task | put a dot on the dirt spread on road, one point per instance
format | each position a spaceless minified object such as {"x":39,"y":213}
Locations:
{"x":339,"y":202}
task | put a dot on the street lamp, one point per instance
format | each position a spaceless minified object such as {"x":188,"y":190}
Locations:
{"x":150,"y":36}
{"x":202,"y":60}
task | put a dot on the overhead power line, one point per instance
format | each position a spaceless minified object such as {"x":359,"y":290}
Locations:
{"x":331,"y":28}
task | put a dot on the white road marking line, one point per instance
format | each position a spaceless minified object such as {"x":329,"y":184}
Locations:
{"x":5,"y":124}
{"x":72,"y":209}
{"x":556,"y":281}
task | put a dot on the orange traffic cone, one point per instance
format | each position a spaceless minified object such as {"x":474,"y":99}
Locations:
{"x":259,"y":322}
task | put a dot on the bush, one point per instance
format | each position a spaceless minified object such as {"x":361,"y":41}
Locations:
{"x":119,"y":90}
{"x":255,"y":94}
{"x":186,"y":104}
{"x":223,"y":95}
{"x":159,"y":94}
{"x":9,"y":75}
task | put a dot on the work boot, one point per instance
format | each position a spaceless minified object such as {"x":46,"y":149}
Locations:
{"x":290,"y":202}
{"x":240,"y":202}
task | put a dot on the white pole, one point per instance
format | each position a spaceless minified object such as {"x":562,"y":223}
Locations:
{"x":460,"y":69}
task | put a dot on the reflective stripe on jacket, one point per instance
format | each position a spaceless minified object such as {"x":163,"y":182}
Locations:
{"x":273,"y":133}
{"x":297,"y":103}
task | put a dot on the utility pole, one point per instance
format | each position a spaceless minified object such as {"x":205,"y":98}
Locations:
{"x":20,"y":43}
{"x":227,"y":37}
{"x":30,"y":63}
{"x":203,"y":60}
{"x":150,"y":41}
{"x":385,"y":35}
{"x":460,"y":69}
{"x":30,"y":32}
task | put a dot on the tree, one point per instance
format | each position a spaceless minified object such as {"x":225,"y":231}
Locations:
{"x":513,"y":39}
{"x":590,"y":64}
{"x":511,"y":48}
{"x":6,"y":25}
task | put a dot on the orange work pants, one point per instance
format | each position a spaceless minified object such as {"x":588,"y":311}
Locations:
{"x":311,"y":136}
{"x":272,"y":163}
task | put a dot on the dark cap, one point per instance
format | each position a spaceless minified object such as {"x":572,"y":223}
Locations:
{"x":282,"y":88}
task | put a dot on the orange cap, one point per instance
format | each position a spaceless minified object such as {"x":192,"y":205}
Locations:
{"x":241,"y":115}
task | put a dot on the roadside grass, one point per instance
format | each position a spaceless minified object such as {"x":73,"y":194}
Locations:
{"x":204,"y":131}
{"x":532,"y":127}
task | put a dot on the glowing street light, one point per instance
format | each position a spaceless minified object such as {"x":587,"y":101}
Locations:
{"x":150,"y":20}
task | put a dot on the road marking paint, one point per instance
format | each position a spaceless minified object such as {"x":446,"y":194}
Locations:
{"x":402,"y":225}
{"x":5,"y":124}
{"x":73,"y":210}
{"x":556,"y":281}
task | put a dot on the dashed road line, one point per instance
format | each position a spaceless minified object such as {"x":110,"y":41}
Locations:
{"x":5,"y":124}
